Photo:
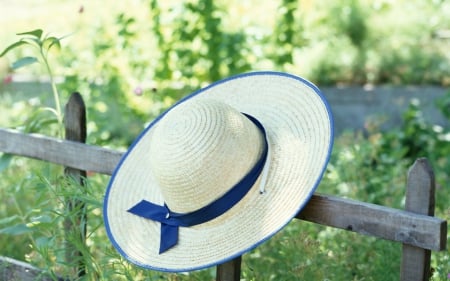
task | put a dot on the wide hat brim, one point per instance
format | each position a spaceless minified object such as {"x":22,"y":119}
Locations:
{"x":299,"y":128}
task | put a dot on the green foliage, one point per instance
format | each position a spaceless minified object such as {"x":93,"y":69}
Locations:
{"x":108,"y":85}
{"x":287,"y":33}
{"x":197,"y":49}
{"x":129,"y":70}
{"x":43,"y":44}
{"x":350,"y":20}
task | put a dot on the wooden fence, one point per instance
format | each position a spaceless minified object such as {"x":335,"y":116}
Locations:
{"x":415,"y":227}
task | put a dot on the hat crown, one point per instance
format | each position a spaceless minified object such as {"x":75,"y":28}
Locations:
{"x":201,"y":149}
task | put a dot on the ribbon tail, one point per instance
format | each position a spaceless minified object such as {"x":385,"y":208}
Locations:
{"x":149,"y":210}
{"x":169,"y":237}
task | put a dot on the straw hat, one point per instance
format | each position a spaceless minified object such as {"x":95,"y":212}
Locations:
{"x":220,"y":172}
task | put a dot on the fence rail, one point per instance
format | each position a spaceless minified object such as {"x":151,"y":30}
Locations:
{"x":365,"y":218}
{"x":415,"y":227}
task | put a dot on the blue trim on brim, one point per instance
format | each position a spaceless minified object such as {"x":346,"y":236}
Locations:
{"x":274,"y":73}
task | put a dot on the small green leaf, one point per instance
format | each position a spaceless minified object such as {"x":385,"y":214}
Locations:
{"x":52,"y":41}
{"x":13,"y":46}
{"x":15,"y":229}
{"x":36,"y":33}
{"x":23,"y":62}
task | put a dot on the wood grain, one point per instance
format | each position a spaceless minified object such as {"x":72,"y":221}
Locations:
{"x":229,"y":271}
{"x":420,"y":192}
{"x":375,"y":220}
{"x":75,"y":130}
{"x":67,"y":153}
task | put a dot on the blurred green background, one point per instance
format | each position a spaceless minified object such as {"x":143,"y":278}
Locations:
{"x":132,"y":59}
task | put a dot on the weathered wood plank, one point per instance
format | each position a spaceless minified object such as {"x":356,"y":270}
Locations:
{"x":420,"y":193}
{"x":75,"y":130}
{"x":14,"y":270}
{"x":375,"y":220}
{"x":67,"y":153}
{"x":365,"y":218}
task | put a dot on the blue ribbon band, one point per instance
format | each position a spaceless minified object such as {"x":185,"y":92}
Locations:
{"x":171,"y":221}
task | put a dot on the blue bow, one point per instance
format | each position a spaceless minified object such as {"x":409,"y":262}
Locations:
{"x":171,"y":221}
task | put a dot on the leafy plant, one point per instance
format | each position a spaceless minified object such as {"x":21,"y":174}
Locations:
{"x":43,"y":44}
{"x":287,"y":34}
{"x":198,"y":49}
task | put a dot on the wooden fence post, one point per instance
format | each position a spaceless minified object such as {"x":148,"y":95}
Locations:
{"x":419,"y":199}
{"x":75,"y":130}
{"x":229,"y":271}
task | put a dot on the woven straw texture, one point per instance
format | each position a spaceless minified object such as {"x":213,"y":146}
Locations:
{"x":200,"y":148}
